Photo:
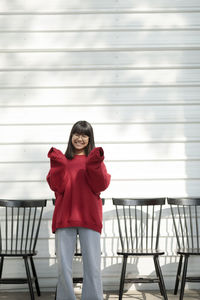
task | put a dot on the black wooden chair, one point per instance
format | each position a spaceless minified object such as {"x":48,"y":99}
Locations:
{"x":186,"y":220}
{"x":139,"y":231}
{"x":77,"y":249}
{"x":20,"y":225}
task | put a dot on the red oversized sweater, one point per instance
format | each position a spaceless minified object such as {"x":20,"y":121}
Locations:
{"x":77,"y":184}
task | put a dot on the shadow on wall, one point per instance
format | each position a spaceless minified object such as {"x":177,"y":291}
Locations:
{"x":89,"y":66}
{"x":111,"y":263}
{"x":89,"y":69}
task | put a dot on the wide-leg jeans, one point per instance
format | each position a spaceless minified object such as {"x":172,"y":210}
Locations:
{"x":91,"y":255}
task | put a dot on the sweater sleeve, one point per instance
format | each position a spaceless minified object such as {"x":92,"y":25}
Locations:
{"x":96,"y":172}
{"x":56,"y":177}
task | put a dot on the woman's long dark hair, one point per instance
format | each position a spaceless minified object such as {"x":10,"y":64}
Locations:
{"x":84,"y":128}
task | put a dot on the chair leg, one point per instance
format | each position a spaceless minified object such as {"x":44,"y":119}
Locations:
{"x":178,"y":275}
{"x":123,"y":273}
{"x":35,"y":276}
{"x":55,"y":293}
{"x":157,"y":273}
{"x":1,"y":266}
{"x":183,"y":281}
{"x":160,"y":276}
{"x":29,"y":279}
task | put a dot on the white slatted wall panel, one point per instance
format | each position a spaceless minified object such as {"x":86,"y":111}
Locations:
{"x":132,"y":69}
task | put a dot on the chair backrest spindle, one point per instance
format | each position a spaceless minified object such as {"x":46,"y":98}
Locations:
{"x":191,"y":226}
{"x":175,"y":227}
{"x":147,"y":226}
{"x":33,"y":226}
{"x":38,"y":227}
{"x":12,"y":224}
{"x":17,"y":229}
{"x":120,"y":229}
{"x":23,"y":222}
{"x":131,"y":225}
{"x":152,"y":226}
{"x":136,"y":228}
{"x":125,"y":226}
{"x":158,"y":228}
{"x":197,"y":226}
{"x":141,"y":227}
{"x":27,"y":227}
{"x":6,"y":229}
{"x":181,"y":226}
{"x":185,"y":212}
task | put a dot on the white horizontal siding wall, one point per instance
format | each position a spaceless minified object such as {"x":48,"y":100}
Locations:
{"x":130,"y":68}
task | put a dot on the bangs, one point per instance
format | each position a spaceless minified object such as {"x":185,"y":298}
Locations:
{"x":83,"y":129}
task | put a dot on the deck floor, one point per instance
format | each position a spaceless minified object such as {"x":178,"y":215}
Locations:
{"x":147,"y":295}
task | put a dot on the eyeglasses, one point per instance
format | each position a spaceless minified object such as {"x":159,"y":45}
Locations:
{"x":83,"y":136}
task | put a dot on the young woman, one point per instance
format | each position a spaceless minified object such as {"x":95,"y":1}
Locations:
{"x":77,"y":178}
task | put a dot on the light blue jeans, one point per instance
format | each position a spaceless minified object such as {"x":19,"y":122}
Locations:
{"x":91,"y":255}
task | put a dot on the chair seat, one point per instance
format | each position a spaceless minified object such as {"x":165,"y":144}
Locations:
{"x":17,"y":253}
{"x":140,"y":252}
{"x":142,"y":279}
{"x":189,"y":251}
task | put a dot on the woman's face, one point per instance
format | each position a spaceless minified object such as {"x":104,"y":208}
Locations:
{"x":80,"y":142}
